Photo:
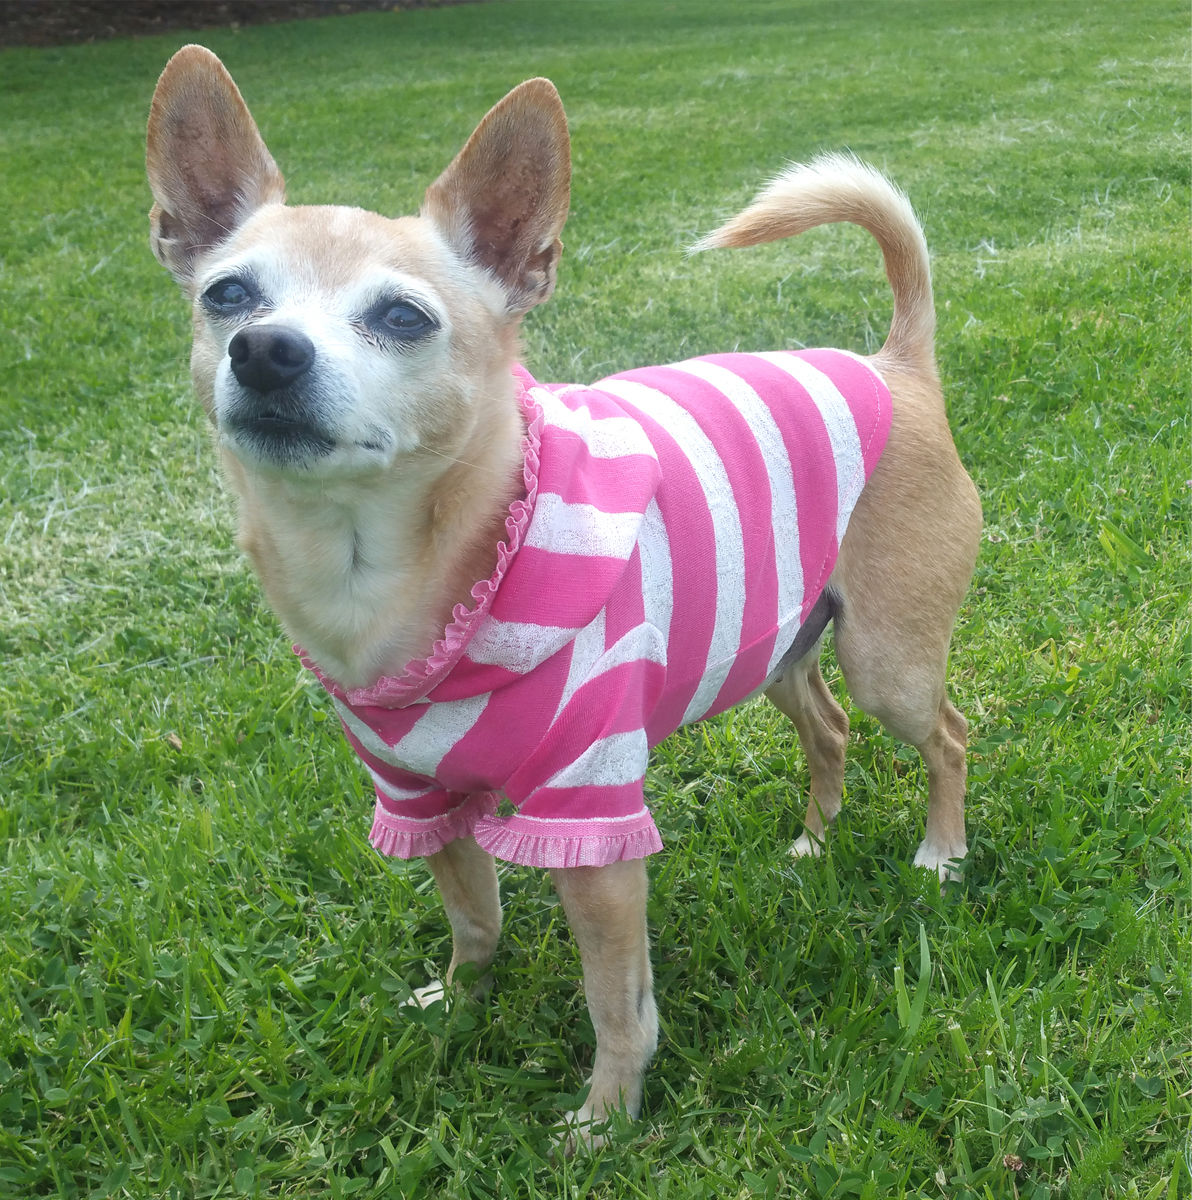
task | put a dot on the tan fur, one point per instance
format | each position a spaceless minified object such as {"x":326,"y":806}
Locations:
{"x":838,"y":187}
{"x":428,"y":524}
{"x":365,"y":546}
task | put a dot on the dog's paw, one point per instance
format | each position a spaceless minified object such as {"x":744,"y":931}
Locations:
{"x":578,"y":1137}
{"x":944,"y":860}
{"x":465,"y":982}
{"x":424,"y":997}
{"x":583,"y":1132}
{"x":807,"y":846}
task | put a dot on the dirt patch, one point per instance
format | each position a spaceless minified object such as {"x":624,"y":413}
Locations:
{"x":58,"y":22}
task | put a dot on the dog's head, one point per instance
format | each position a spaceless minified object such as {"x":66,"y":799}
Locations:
{"x":332,"y":342}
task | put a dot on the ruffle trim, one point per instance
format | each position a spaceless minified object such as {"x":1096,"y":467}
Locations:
{"x":398,"y":837}
{"x":418,"y":677}
{"x":503,"y":840}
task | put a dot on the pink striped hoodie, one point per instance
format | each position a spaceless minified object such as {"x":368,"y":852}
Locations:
{"x":678,"y":524}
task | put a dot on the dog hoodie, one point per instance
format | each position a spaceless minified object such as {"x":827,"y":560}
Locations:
{"x":678,"y":525}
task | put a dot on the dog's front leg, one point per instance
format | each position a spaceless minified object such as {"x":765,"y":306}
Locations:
{"x":467,"y":879}
{"x":606,"y":909}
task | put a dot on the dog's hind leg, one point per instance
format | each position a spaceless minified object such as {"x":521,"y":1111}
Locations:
{"x":822,"y":725}
{"x":904,"y":566}
{"x":944,"y":754}
{"x":910,"y":700}
{"x":467,"y":879}
{"x":606,"y":909}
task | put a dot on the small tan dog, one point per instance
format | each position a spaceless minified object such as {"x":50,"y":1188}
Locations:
{"x":359,"y":375}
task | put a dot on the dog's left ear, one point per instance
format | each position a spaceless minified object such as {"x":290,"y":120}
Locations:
{"x":503,"y":201}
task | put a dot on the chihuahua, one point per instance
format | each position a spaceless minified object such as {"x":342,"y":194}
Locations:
{"x":512,"y":591}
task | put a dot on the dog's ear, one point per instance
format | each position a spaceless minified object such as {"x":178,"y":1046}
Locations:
{"x":208,"y":167}
{"x":502,"y":203}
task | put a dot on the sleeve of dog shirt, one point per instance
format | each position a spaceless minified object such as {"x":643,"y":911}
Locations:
{"x":579,"y":794}
{"x":414,"y":815}
{"x":425,"y":822}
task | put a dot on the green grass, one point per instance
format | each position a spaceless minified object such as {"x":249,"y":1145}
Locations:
{"x":202,"y":963}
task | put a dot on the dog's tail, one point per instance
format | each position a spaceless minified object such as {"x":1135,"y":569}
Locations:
{"x":839,"y":187}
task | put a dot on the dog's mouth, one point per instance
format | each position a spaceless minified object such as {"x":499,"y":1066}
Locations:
{"x":268,"y":436}
{"x":278,"y":437}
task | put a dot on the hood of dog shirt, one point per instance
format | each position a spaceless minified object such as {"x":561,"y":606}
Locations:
{"x":678,"y":525}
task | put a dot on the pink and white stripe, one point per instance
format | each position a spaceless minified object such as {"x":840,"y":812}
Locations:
{"x":678,"y":525}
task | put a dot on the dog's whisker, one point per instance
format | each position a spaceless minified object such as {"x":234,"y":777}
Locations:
{"x":463,"y":462}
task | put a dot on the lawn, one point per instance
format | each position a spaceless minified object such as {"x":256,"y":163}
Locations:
{"x":203,"y":964}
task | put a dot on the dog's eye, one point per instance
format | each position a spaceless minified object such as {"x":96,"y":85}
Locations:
{"x":404,"y":320}
{"x":229,"y":295}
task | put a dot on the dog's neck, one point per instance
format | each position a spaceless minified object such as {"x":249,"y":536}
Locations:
{"x":365,"y":577}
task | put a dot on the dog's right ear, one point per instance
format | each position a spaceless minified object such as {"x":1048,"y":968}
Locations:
{"x":503,"y":201}
{"x":208,"y":167}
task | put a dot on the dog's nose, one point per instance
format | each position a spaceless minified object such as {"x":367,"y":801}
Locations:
{"x":267,"y":357}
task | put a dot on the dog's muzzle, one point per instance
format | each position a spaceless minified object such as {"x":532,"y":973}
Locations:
{"x":274,"y":415}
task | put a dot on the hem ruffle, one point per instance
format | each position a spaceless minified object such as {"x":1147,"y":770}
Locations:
{"x":398,"y":837}
{"x":512,"y":845}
